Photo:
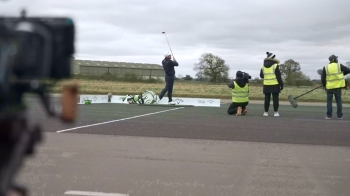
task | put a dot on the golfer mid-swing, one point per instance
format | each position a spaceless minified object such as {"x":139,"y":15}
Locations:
{"x":169,"y":70}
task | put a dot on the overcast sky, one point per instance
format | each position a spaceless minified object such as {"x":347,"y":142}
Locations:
{"x":240,"y":32}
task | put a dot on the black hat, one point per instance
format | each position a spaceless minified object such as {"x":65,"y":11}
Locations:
{"x":270,"y":55}
{"x":332,"y":58}
{"x":239,"y":74}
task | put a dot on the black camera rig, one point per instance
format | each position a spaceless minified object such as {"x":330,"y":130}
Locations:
{"x":246,"y":76}
{"x":32,"y":52}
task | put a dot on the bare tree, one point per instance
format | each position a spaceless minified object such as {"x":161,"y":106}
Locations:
{"x":288,"y":68}
{"x":212,"y":67}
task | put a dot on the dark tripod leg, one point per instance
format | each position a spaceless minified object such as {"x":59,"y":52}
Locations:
{"x":16,"y":142}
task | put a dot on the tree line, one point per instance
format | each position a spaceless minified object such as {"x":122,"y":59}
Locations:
{"x":213,"y":68}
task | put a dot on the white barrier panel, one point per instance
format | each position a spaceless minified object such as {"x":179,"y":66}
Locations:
{"x":178,"y":100}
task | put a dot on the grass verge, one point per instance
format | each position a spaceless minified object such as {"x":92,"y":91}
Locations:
{"x":192,"y":89}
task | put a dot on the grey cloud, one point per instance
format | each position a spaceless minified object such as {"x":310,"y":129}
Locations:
{"x":238,"y":31}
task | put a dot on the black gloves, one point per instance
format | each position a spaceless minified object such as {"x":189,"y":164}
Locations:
{"x":281,"y":87}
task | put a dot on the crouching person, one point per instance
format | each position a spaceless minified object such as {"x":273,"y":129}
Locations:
{"x":240,"y":95}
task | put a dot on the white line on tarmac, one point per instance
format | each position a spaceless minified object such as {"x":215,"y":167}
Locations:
{"x":65,"y":130}
{"x":86,"y":193}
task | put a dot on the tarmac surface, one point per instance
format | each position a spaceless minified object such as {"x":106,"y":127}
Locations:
{"x":162,"y":150}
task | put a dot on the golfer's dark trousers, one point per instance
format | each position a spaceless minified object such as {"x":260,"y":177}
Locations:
{"x":169,"y":80}
{"x":338,"y":100}
{"x":232,"y":109}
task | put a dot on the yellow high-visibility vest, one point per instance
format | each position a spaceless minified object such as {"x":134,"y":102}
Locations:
{"x":334,"y":76}
{"x":239,"y":94}
{"x":269,"y":75}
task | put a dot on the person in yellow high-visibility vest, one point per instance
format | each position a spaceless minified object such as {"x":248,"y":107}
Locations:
{"x":333,"y":81}
{"x":240,"y":95}
{"x":273,"y":83}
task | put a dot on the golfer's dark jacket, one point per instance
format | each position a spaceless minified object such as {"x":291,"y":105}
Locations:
{"x":343,"y":68}
{"x":168,"y":66}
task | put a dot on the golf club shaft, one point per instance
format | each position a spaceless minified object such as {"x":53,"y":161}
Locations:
{"x":168,"y":45}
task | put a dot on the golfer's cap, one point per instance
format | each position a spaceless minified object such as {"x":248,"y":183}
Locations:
{"x":167,"y":54}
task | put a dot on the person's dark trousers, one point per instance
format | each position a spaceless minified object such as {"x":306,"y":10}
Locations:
{"x":275,"y":98}
{"x":169,"y":80}
{"x":233,"y":107}
{"x":338,"y":100}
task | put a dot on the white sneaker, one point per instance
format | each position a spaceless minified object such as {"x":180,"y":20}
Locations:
{"x":171,"y":102}
{"x":276,"y":114}
{"x":266,"y":114}
{"x":157,"y":99}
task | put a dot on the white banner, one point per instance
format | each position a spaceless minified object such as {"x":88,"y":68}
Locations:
{"x":178,"y":100}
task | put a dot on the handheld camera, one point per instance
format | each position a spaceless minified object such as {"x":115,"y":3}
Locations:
{"x":246,"y":76}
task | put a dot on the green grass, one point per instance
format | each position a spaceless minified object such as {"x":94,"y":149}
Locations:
{"x":193,"y":89}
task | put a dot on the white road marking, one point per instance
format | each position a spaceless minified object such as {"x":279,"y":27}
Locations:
{"x":65,"y":130}
{"x":86,"y":193}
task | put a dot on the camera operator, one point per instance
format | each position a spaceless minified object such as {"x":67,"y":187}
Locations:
{"x":240,"y":94}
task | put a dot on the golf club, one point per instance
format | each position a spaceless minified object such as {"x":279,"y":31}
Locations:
{"x":168,"y":44}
